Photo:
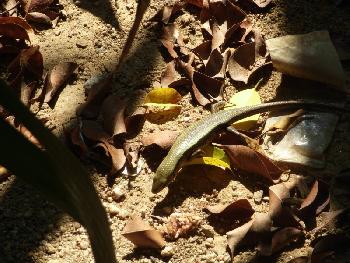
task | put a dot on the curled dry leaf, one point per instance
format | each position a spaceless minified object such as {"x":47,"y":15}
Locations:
{"x":315,"y":201}
{"x":248,"y":160}
{"x":39,"y":18}
{"x":281,"y":215}
{"x":248,"y":97}
{"x":286,"y":122}
{"x":97,"y":89}
{"x":16,"y":28}
{"x":238,"y":210}
{"x":206,"y":89}
{"x":57,"y":78}
{"x":135,"y":121}
{"x":164,"y":139}
{"x":328,"y":246}
{"x":339,"y":190}
{"x":28,"y":64}
{"x":95,"y":132}
{"x":180,"y":225}
{"x":27,"y":91}
{"x":112,"y":110}
{"x":172,"y":40}
{"x":279,"y":240}
{"x":245,"y":60}
{"x":311,"y":56}
{"x":141,"y":234}
{"x":250,"y":231}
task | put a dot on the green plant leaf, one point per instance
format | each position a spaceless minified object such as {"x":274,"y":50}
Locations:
{"x":55,"y":172}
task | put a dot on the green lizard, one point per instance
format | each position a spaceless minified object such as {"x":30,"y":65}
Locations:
{"x":203,"y":130}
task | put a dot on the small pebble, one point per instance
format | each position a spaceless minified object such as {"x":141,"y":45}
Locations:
{"x":117,"y":193}
{"x":208,"y":230}
{"x":258,"y":196}
{"x":168,"y":251}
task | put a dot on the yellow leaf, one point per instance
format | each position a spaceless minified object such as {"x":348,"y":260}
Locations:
{"x":244,"y":98}
{"x":161,"y":113}
{"x":163,"y":95}
{"x":213,"y":156}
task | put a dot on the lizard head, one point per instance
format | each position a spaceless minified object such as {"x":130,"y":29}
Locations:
{"x":163,"y":177}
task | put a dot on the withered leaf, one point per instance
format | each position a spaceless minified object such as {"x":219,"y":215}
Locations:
{"x":311,"y":56}
{"x":112,"y":110}
{"x":205,"y":88}
{"x":328,"y":245}
{"x":27,"y":92}
{"x":248,"y":160}
{"x":260,"y":224}
{"x":76,"y":138}
{"x":316,"y":198}
{"x":57,"y":78}
{"x":244,"y":61}
{"x":28,"y":63}
{"x":15,"y":27}
{"x":172,"y":39}
{"x":135,"y":121}
{"x":281,"y":215}
{"x":94,"y":131}
{"x":279,"y":240}
{"x":38,"y":17}
{"x":238,"y":210}
{"x":164,"y":139}
{"x":97,"y":89}
{"x":141,"y":234}
{"x":117,"y":156}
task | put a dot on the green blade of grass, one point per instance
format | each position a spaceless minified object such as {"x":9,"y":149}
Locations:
{"x":55,"y":172}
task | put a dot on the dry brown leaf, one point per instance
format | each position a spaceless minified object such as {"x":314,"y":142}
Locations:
{"x":57,"y":78}
{"x":250,"y":232}
{"x":281,"y":215}
{"x":311,"y":56}
{"x":328,"y":245}
{"x":38,"y":5}
{"x":116,"y":155}
{"x":77,"y":140}
{"x":97,"y":89}
{"x":285,"y":123}
{"x":216,"y":64}
{"x":39,"y":18}
{"x":112,"y":111}
{"x":27,"y":91}
{"x":141,"y":234}
{"x":27,"y":64}
{"x":172,"y":40}
{"x":280,"y":239}
{"x":134,"y":122}
{"x":164,"y":139}
{"x":206,"y":89}
{"x":16,"y":28}
{"x":315,"y":201}
{"x":238,"y":210}
{"x":94,"y":131}
{"x":248,"y":160}
{"x":244,"y":61}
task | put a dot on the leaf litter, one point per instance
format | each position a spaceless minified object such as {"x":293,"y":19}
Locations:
{"x":233,"y":48}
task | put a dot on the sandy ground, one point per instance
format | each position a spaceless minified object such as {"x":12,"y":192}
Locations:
{"x":32,"y":230}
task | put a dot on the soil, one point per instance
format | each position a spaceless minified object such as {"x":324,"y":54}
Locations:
{"x":92,"y":35}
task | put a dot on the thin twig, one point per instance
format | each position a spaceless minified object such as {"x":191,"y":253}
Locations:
{"x":142,"y":6}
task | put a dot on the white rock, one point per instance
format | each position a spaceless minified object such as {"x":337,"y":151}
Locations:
{"x":117,"y":193}
{"x":168,"y":251}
